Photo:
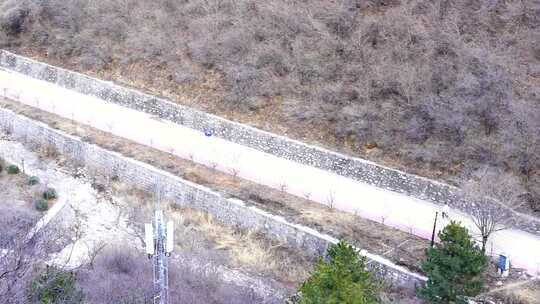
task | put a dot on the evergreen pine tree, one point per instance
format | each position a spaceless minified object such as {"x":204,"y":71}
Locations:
{"x":454,"y":267}
{"x":341,"y":279}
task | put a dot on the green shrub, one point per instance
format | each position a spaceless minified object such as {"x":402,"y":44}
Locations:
{"x":343,"y":278}
{"x":454,"y":267}
{"x":54,"y":286}
{"x":42,"y":205}
{"x":50,"y":194}
{"x":12,"y":169}
{"x":33,"y":180}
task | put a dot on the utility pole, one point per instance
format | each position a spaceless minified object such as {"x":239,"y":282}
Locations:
{"x":434,"y":227}
{"x":159,"y":245}
{"x":444,"y":214}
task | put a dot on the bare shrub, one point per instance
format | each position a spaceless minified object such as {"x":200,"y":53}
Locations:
{"x":117,"y":275}
{"x":275,"y":61}
{"x":21,"y":257}
{"x":123,"y":276}
{"x":13,"y":17}
{"x":244,"y":83}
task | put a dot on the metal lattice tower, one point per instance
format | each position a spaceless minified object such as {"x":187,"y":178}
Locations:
{"x":161,"y":271}
{"x":159,"y":243}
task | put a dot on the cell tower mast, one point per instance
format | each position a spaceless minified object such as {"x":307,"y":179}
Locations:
{"x":159,"y":245}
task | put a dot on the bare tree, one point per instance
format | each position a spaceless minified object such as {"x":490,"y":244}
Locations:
{"x":18,"y":261}
{"x":491,"y":191}
{"x":15,"y":255}
{"x":488,"y":219}
{"x":15,"y":264}
{"x":331,"y":198}
{"x":234,"y":162}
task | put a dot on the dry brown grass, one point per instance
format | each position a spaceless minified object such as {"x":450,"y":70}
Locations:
{"x":523,"y":294}
{"x":246,"y":248}
{"x":15,"y":187}
{"x":196,"y":230}
{"x":17,"y":210}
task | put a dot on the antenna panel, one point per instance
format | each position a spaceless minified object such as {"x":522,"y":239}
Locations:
{"x":149,"y":238}
{"x":169,"y":245}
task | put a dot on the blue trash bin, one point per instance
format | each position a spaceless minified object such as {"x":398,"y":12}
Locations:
{"x":503,"y":263}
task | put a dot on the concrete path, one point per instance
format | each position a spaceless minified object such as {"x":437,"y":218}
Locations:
{"x":394,"y":209}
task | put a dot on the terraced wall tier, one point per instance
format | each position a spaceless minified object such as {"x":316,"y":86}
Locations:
{"x":229,"y":211}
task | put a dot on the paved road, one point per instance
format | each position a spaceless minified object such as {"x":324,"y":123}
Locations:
{"x":394,"y":209}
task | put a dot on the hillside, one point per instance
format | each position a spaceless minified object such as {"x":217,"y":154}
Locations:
{"x":444,"y":89}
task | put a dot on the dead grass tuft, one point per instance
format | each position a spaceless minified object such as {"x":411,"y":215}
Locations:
{"x":246,"y":248}
{"x":523,"y":294}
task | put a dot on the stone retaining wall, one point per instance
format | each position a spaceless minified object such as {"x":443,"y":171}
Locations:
{"x":280,"y":146}
{"x":229,"y":211}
